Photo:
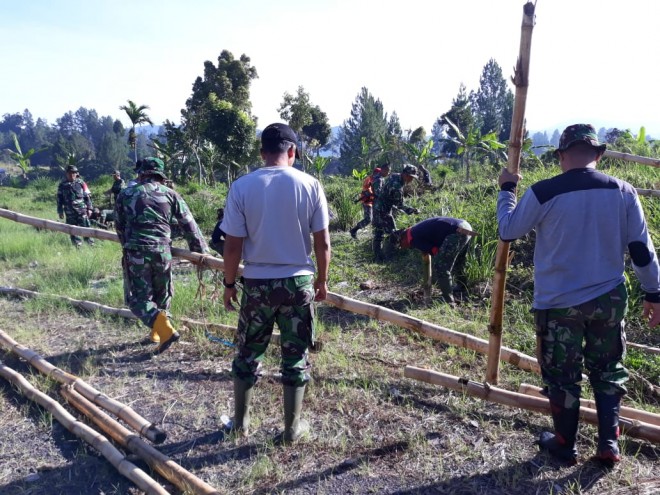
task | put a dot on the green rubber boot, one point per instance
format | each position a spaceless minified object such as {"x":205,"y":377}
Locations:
{"x":294,"y":426}
{"x":242,"y":402}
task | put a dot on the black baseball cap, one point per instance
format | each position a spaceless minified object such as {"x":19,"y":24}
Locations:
{"x":277,"y":133}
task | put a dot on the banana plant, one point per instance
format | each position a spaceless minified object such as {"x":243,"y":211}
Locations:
{"x":422,"y":158}
{"x":22,"y":159}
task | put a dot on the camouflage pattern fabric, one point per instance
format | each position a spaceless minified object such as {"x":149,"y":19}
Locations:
{"x":389,"y":196}
{"x":116,"y":188}
{"x":289,"y":302}
{"x":74,"y":201}
{"x":149,"y":281}
{"x":591,"y":334}
{"x":145,"y":213}
{"x":450,"y":257}
{"x":367,"y":217}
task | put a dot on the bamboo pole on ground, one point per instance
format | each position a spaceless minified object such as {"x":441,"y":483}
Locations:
{"x":435,"y":332}
{"x":485,"y":391}
{"x":126,"y":413}
{"x":645,"y":348}
{"x":521,"y":81}
{"x":648,"y":192}
{"x":96,"y":440}
{"x":166,"y":467}
{"x":626,"y":412}
{"x":428,"y":276}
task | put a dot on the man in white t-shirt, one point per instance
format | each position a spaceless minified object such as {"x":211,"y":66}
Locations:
{"x":271,"y":217}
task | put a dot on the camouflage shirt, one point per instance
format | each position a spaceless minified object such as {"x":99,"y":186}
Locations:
{"x":117,"y":186}
{"x":390,"y":195}
{"x":73,"y":196}
{"x":144,"y":215}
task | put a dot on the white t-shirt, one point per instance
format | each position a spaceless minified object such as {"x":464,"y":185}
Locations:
{"x":275,"y":210}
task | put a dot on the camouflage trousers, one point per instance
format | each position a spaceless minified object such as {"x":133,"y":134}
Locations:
{"x":590,"y":334}
{"x":383,"y":224}
{"x":289,"y":302}
{"x":74,"y":217}
{"x":149,"y":283}
{"x":450,"y":258}
{"x":367,"y":217}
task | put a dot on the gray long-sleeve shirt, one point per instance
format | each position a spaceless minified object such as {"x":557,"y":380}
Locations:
{"x":584,"y":220}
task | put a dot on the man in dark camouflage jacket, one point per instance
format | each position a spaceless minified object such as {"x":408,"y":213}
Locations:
{"x":74,"y":201}
{"x":144,"y":214}
{"x":390,"y":196}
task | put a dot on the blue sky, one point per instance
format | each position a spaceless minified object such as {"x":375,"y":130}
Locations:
{"x":592,"y":61}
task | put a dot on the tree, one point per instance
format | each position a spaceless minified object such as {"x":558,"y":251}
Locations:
{"x":319,"y":131}
{"x":473,"y":142}
{"x":460,"y":114}
{"x":492,"y":103}
{"x":368,"y":121}
{"x":554,"y":140}
{"x":138,"y":116}
{"x":219,"y":111}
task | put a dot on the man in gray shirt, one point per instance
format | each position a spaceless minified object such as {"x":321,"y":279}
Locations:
{"x":271,"y":217}
{"x":584,"y":221}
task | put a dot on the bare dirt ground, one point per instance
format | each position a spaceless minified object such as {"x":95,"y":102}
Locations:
{"x":373,"y":431}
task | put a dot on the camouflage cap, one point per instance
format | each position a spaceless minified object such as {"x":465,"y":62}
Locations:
{"x":72,"y":168}
{"x":579,"y":133}
{"x":153,"y":166}
{"x":410,"y":170}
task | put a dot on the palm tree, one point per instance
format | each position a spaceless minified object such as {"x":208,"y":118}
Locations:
{"x":137,"y":115}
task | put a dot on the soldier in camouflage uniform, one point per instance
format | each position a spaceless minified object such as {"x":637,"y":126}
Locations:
{"x":370,"y":187}
{"x":446,"y":240}
{"x":270,"y":216}
{"x":390,"y":196}
{"x":117,"y":186}
{"x":75,"y":202}
{"x":143,"y":217}
{"x":584,"y":221}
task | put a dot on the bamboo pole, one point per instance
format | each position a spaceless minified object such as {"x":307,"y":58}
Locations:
{"x":166,"y":467}
{"x":435,"y":332}
{"x":521,"y":81}
{"x":126,"y":413}
{"x":485,"y":391}
{"x":428,"y":276}
{"x":648,"y":192}
{"x":79,"y":429}
{"x":626,"y":412}
{"x":645,"y":348}
{"x":652,"y":162}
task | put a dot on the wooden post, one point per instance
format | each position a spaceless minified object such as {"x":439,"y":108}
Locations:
{"x":484,"y":391}
{"x":428,"y":276}
{"x":521,"y":81}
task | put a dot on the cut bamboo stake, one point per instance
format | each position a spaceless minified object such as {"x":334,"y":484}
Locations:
{"x":626,"y":412}
{"x":521,"y":81}
{"x":96,"y":440}
{"x":485,"y":391}
{"x":166,"y":467}
{"x":126,"y":413}
{"x":428,"y":276}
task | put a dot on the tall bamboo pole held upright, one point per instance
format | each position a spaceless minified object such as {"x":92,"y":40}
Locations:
{"x":521,"y":81}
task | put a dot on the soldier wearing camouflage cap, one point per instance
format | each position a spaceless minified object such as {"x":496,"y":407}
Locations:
{"x":74,"y":200}
{"x":389,"y":197}
{"x":144,"y":215}
{"x":585,"y":221}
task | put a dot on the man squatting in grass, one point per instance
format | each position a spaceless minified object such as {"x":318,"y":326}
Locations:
{"x":143,"y":218}
{"x":75,"y":201}
{"x":445,"y":239}
{"x":390,"y":196}
{"x":370,"y":187}
{"x":584,"y":221}
{"x":270,"y":217}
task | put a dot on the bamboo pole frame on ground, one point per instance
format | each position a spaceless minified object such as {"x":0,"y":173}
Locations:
{"x":166,"y":467}
{"x":81,"y":430}
{"x":485,"y":391}
{"x":626,"y":412}
{"x":125,"y":413}
{"x":521,"y":81}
